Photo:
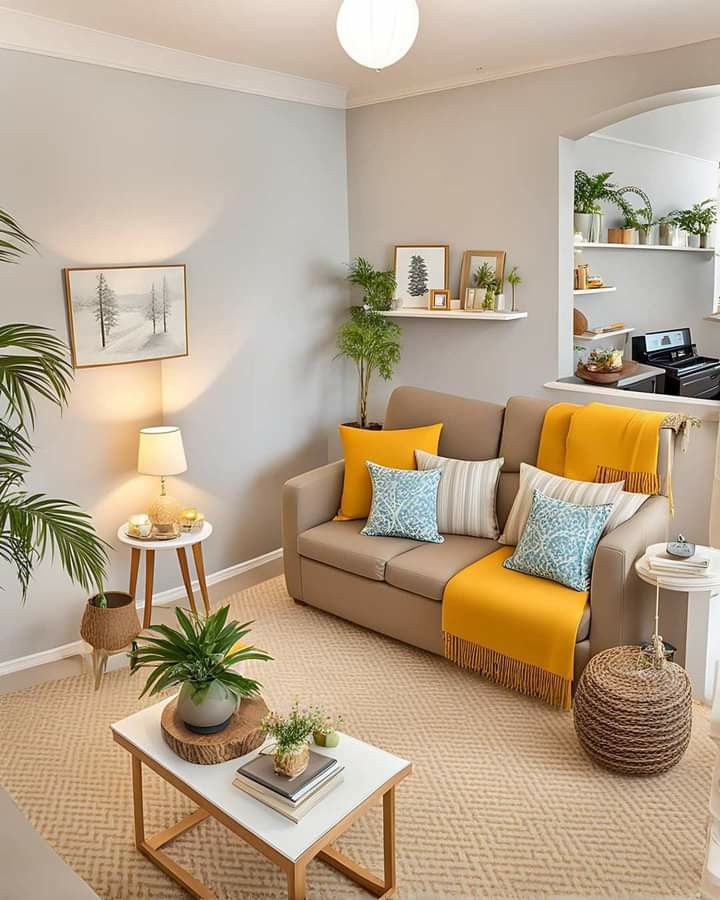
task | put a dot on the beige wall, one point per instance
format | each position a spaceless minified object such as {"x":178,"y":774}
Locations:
{"x":105,"y":166}
{"x":482,"y":167}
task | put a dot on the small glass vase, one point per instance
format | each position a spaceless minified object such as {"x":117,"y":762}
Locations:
{"x":292,"y":763}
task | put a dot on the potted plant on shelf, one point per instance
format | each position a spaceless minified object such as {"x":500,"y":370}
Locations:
{"x":292,"y":733}
{"x":34,"y":363}
{"x":514,"y":279}
{"x":590,"y":192}
{"x":199,"y":656}
{"x":377,"y":287}
{"x":485,"y":280}
{"x":697,"y":222}
{"x":668,"y":229}
{"x":371,"y":342}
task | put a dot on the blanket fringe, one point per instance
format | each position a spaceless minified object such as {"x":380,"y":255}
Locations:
{"x":508,"y":672}
{"x":635,"y":482}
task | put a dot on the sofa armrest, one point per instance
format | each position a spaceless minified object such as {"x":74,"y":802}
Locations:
{"x":307,"y":500}
{"x":621,"y":604}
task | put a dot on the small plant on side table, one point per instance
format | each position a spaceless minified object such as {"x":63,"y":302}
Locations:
{"x":292,"y":733}
{"x":199,"y":656}
{"x":327,"y":734}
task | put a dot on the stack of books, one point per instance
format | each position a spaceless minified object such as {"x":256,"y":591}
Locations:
{"x":699,"y":564}
{"x":293,"y":797}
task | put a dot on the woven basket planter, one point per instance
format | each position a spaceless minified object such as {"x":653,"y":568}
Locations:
{"x":112,"y":627}
{"x":630,"y":717}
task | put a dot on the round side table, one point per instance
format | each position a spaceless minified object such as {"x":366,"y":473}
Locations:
{"x":179,"y":544}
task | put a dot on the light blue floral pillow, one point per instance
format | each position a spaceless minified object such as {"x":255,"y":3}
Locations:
{"x":404,"y":503}
{"x":559,"y":541}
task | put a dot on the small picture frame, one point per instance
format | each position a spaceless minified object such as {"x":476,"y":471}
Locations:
{"x":439,"y":299}
{"x":469,"y":299}
{"x":472,"y":263}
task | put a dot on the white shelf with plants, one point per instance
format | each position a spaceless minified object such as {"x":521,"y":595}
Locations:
{"x":607,"y":289}
{"x":480,"y":315}
{"x":593,"y":245}
{"x":603,"y":335}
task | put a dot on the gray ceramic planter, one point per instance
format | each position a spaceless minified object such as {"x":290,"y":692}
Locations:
{"x":206,"y":712}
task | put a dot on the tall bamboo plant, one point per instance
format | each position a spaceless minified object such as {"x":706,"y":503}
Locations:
{"x":34,"y":365}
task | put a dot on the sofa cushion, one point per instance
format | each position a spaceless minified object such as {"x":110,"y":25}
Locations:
{"x":341,"y":545}
{"x":427,"y":569}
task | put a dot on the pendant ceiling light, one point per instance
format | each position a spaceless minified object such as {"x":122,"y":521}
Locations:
{"x":377,"y":33}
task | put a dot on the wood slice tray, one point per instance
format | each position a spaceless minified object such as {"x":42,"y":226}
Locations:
{"x":628,"y":368}
{"x":242,"y":735}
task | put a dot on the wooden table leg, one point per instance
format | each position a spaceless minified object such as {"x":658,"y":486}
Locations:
{"x":389,"y":841}
{"x":296,"y":883}
{"x":138,"y":802}
{"x":134,"y":569}
{"x":185,"y":572}
{"x":200,"y":569}
{"x":149,"y":578}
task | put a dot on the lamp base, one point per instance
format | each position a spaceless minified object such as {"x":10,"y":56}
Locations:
{"x":164,"y":511}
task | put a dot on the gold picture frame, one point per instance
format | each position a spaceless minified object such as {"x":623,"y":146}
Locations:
{"x":147,"y":319}
{"x":439,"y":299}
{"x":472,"y":259}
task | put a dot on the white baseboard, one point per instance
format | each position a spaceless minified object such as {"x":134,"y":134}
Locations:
{"x":162,"y":598}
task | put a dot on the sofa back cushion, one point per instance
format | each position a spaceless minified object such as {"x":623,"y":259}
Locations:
{"x":471,"y":428}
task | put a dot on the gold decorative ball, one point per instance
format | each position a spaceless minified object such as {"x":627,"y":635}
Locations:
{"x":164,"y":510}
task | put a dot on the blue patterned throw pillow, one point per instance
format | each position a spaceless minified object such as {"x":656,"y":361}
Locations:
{"x":559,"y":541}
{"x":404,"y":503}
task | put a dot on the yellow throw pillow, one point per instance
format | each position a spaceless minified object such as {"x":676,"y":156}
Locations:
{"x":394,"y":448}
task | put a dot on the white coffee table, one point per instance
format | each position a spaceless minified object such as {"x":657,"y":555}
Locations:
{"x":370,"y":774}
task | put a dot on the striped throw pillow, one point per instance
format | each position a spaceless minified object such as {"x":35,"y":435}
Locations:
{"x":466,"y":496}
{"x":582,"y":493}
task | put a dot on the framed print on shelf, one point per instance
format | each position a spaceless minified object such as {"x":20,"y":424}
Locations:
{"x":472,"y":263}
{"x":126,"y":314}
{"x":439,"y":299}
{"x":420,"y":268}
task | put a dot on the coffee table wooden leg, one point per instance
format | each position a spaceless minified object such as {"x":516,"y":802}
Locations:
{"x":200,"y":569}
{"x":138,"y":802}
{"x":185,"y":572}
{"x":389,"y":841}
{"x":296,"y":883}
{"x":134,"y":569}
{"x":149,"y":579}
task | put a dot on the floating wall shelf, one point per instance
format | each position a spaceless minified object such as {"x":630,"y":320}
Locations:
{"x":602,"y":290}
{"x":593,"y":246}
{"x":484,"y":315}
{"x":603,"y":335}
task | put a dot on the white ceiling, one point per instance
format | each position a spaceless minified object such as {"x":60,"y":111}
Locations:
{"x":456,"y":36}
{"x":692,"y":128}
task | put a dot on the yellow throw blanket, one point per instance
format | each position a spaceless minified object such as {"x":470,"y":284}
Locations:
{"x":513,"y":628}
{"x":519,"y":630}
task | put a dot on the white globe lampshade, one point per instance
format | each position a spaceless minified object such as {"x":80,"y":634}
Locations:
{"x":377,"y":33}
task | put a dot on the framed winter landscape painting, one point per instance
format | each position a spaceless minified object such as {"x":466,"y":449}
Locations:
{"x":419,"y":268}
{"x":126,"y":314}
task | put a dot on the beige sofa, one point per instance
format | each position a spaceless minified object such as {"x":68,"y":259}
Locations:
{"x":395,"y":586}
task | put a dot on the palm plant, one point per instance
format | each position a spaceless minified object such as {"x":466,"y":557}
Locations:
{"x":202,"y":651}
{"x":371,"y":342}
{"x":378,"y":287}
{"x":514,"y":279}
{"x":34,"y":363}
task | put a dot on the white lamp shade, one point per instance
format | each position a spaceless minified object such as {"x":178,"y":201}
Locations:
{"x":160,"y":451}
{"x":377,"y":33}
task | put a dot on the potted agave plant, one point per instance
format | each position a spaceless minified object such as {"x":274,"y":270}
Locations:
{"x":201,"y":656}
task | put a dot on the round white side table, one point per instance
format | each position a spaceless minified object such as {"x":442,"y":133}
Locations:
{"x":192,"y":539}
{"x":686,"y":584}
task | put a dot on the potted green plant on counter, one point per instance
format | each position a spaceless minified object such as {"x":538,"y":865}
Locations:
{"x":199,"y":656}
{"x":377,"y":287}
{"x":371,"y":342}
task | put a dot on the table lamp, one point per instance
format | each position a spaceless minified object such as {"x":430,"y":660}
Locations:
{"x":160,"y":452}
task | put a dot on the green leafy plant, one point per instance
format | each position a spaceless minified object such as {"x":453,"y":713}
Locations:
{"x":514,"y":279}
{"x":293,"y":730}
{"x":486,"y":280}
{"x":371,"y":342}
{"x":699,"y":218}
{"x":378,"y":287}
{"x":34,"y":364}
{"x":199,"y":652}
{"x":592,"y":190}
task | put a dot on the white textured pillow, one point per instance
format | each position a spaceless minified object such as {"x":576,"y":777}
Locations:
{"x":584,"y":493}
{"x":466,"y":496}
{"x":624,"y":508}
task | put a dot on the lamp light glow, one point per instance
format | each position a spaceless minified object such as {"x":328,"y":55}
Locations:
{"x":377,"y":33}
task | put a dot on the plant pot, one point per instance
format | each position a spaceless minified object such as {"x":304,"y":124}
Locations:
{"x":615,"y":235}
{"x":292,"y":764}
{"x":500,"y":302}
{"x":206,"y":709}
{"x":680,"y":239}
{"x":645,"y":235}
{"x":629,"y":235}
{"x":371,"y":426}
{"x":326,"y":738}
{"x":596,"y":228}
{"x":693,"y":240}
{"x":666,"y":235}
{"x":704,"y":241}
{"x":113,"y":627}
{"x":583,"y":224}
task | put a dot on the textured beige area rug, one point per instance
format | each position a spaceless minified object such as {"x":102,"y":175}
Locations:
{"x":502,"y":803}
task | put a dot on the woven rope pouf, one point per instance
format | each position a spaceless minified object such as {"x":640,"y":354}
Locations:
{"x":631,"y":717}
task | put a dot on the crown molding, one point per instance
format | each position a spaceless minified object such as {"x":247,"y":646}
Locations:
{"x":29,"y":33}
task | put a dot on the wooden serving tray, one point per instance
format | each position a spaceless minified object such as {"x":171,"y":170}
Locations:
{"x":628,"y":367}
{"x":242,"y":735}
